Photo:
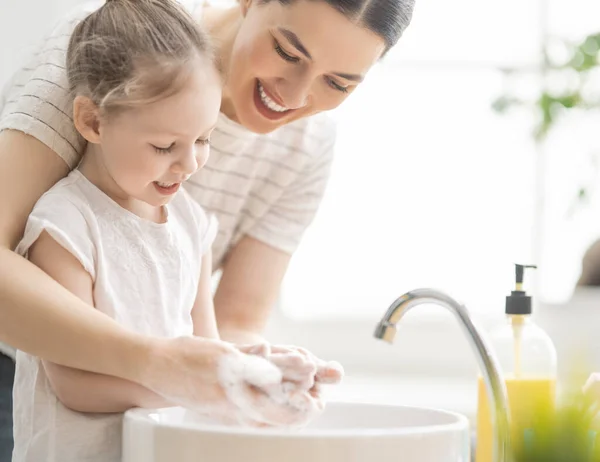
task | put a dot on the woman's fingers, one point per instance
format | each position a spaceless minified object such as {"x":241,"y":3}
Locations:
{"x":259,"y":349}
{"x":303,"y":374}
{"x":242,"y":368}
{"x":317,"y":395}
{"x":327,"y":372}
{"x":295,"y":369}
{"x":330,"y":372}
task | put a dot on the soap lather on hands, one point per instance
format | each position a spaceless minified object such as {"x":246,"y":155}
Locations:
{"x":302,"y":375}
{"x":252,"y":385}
{"x":275,"y":385}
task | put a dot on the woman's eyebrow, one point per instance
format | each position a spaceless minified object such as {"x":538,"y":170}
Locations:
{"x":295,"y":41}
{"x":297,"y":44}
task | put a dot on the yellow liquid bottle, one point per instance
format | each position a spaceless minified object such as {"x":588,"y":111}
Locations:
{"x":527,"y":358}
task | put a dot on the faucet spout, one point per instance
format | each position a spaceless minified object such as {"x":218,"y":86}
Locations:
{"x":496,"y":389}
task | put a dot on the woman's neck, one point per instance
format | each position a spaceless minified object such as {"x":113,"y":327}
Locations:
{"x":93,"y":168}
{"x":223,"y":25}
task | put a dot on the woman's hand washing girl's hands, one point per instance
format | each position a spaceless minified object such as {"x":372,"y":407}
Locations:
{"x":222,"y":382}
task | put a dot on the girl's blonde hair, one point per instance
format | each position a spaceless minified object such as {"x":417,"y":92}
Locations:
{"x":134,"y":52}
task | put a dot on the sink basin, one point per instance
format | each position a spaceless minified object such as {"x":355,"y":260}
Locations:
{"x":345,"y":432}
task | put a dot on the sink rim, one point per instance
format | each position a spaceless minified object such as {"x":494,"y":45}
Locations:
{"x":460,"y":423}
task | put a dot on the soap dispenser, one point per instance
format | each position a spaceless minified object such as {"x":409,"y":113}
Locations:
{"x":527,"y":358}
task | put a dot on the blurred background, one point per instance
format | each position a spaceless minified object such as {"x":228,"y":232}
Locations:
{"x":474,"y":145}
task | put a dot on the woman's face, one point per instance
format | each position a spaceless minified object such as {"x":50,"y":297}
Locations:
{"x":291,"y":61}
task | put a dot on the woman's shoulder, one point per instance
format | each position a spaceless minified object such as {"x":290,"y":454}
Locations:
{"x":37,"y":100}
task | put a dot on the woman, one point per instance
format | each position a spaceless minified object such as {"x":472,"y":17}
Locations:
{"x":284,"y":62}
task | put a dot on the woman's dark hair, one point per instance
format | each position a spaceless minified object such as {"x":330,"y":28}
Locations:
{"x":386,"y":18}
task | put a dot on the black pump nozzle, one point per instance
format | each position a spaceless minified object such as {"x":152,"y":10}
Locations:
{"x":518,"y":302}
{"x":520,"y":272}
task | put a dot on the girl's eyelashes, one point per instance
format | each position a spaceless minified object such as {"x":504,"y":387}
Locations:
{"x":166,"y":150}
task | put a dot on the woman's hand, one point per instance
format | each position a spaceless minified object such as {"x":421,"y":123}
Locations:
{"x":220,"y":381}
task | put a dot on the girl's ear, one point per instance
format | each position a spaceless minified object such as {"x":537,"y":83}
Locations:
{"x":86,"y":118}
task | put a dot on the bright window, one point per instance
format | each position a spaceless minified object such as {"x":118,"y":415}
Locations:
{"x":431,"y":187}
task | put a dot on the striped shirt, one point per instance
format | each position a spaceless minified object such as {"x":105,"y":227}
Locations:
{"x":264,"y":186}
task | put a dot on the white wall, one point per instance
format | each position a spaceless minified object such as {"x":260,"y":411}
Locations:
{"x":23,"y":23}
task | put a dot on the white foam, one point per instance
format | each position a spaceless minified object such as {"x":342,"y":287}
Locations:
{"x":275,"y":403}
{"x":248,"y":368}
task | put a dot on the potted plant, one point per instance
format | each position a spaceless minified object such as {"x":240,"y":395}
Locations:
{"x":576,"y":68}
{"x":564,"y":434}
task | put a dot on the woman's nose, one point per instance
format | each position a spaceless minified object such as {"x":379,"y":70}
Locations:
{"x":294,"y":93}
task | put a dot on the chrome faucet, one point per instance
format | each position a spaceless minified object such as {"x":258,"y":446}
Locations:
{"x":494,"y":382}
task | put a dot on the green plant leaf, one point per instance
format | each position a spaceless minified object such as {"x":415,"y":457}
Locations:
{"x":565,"y":434}
{"x":582,"y":61}
{"x":503,"y":104}
{"x":584,"y":56}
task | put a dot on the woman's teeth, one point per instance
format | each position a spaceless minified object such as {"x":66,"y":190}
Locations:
{"x":268,"y":101}
{"x":165,"y":185}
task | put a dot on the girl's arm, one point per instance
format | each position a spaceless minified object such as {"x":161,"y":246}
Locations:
{"x":77,"y":389}
{"x":203,"y":312}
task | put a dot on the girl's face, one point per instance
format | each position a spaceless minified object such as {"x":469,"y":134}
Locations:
{"x":149,"y":151}
{"x":288,"y":62}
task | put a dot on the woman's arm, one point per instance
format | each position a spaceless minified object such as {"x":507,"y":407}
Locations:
{"x":203,"y":312}
{"x":248,"y":290}
{"x":82,"y":390}
{"x":255,"y":267}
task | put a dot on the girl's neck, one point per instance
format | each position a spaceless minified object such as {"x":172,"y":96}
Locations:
{"x":93,"y":168}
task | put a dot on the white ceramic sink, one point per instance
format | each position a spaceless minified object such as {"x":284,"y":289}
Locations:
{"x":346,"y":432}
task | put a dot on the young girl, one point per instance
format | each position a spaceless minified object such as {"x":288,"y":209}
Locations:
{"x":117,"y":232}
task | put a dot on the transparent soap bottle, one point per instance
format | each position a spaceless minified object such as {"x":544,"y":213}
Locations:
{"x":527,"y":357}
